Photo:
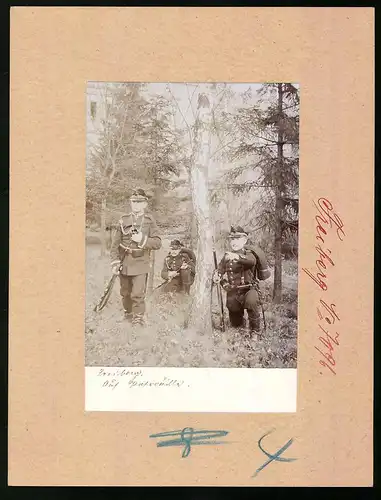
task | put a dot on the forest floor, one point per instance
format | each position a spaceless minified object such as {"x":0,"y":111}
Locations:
{"x":111,"y":341}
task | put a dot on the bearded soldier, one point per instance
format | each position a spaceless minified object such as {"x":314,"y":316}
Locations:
{"x":179,"y":268}
{"x":137,"y":234}
{"x":237,"y":273}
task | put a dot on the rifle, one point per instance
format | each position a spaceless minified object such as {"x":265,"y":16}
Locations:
{"x":191,"y":256}
{"x":165,"y":282}
{"x":219,"y":292}
{"x":107,"y":291}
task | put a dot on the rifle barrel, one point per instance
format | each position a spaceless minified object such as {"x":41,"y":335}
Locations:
{"x":166,"y":281}
{"x":219,"y":294}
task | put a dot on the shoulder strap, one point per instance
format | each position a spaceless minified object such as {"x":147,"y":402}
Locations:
{"x":149,"y":216}
{"x":251,"y":249}
{"x":121,"y":223}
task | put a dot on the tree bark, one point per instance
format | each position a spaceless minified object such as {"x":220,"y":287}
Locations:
{"x":193,"y":232}
{"x":151,"y":275}
{"x":277,"y":295}
{"x":154,"y":205}
{"x":200,"y":315}
{"x":103,"y":227}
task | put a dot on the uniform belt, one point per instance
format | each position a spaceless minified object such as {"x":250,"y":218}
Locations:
{"x":131,"y":250}
{"x":241,"y":287}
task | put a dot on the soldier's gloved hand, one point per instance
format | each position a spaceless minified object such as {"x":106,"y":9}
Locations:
{"x":184,"y":265}
{"x":227,"y":287}
{"x":115,"y":269}
{"x":231,"y":256}
{"x":137,"y":237}
{"x":216,"y":278}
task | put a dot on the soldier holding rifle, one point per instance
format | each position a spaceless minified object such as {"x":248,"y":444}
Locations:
{"x":178,"y":268}
{"x":136,"y":235}
{"x":237,"y":273}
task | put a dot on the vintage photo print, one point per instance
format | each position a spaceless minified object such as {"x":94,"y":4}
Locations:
{"x":192,"y":209}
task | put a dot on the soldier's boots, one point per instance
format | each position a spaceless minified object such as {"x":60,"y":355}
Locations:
{"x":134,"y":319}
{"x":127,"y":316}
{"x":236,"y":319}
{"x":254,"y":323}
{"x":137,"y":319}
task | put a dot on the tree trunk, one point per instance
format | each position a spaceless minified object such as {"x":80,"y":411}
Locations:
{"x":200,"y":316}
{"x":193,"y":232}
{"x":152,"y":254}
{"x":103,"y":227}
{"x":277,"y":296}
{"x":154,"y":205}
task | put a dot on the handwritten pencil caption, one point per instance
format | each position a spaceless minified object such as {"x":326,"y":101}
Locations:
{"x":111,"y":379}
{"x":326,"y":219}
{"x":188,"y":436}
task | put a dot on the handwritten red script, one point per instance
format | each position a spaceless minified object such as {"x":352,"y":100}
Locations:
{"x":326,"y":220}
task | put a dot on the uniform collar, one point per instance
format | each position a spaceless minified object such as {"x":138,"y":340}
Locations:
{"x":137,"y":216}
{"x":131,"y":214}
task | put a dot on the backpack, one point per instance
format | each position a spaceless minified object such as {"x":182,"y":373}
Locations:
{"x":261,"y":270}
{"x":190,"y":253}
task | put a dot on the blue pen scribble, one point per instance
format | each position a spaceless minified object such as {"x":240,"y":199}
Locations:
{"x":188,"y":436}
{"x":276,"y":457}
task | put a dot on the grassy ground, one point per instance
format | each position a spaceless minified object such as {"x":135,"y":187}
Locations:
{"x":110,"y":341}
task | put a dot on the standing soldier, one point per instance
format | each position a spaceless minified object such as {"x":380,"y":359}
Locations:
{"x":179,"y":268}
{"x":136,"y":235}
{"x":237,"y":273}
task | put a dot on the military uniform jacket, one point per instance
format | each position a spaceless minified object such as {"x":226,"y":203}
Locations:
{"x":251,"y":265}
{"x":172,"y":263}
{"x":237,"y":272}
{"x":137,"y":258}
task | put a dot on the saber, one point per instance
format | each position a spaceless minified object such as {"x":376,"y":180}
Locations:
{"x":106,"y":294}
{"x":107,"y":291}
{"x":256,"y":286}
{"x":263,"y":314}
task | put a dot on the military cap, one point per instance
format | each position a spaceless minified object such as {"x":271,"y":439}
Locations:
{"x":237,"y":232}
{"x":139,"y":195}
{"x":175,"y":244}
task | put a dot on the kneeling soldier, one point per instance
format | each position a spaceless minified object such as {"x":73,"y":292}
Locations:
{"x":237,"y":273}
{"x":179,"y":268}
{"x":136,"y":235}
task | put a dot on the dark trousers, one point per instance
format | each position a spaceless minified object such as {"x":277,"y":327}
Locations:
{"x":132,"y":290}
{"x":237,"y":301}
{"x":180,"y":283}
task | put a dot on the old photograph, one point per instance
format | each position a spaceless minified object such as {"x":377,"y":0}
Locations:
{"x":192,"y":209}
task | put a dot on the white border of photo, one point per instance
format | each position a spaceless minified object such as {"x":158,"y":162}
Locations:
{"x":237,"y":390}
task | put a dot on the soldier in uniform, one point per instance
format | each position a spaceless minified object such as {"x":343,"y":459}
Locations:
{"x":237,"y":273}
{"x":136,"y":235}
{"x":179,"y":268}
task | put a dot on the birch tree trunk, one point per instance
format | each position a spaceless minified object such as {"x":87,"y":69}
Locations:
{"x":277,"y":297}
{"x":200,"y":315}
{"x":193,"y":232}
{"x":103,"y":228}
{"x":152,"y":253}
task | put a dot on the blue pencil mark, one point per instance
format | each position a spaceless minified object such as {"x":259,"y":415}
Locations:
{"x":276,"y":457}
{"x":187,"y":437}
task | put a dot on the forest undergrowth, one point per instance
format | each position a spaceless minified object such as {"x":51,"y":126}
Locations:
{"x":165,"y":341}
